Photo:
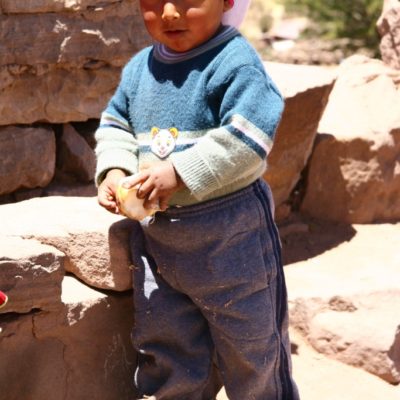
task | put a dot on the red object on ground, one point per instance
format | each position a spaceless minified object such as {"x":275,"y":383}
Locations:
{"x":3,"y":299}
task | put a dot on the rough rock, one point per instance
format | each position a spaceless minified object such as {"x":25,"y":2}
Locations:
{"x":345,"y":301}
{"x":41,"y":6}
{"x":95,"y":242}
{"x":30,"y":274}
{"x":85,"y":39}
{"x":351,"y":335}
{"x":74,"y":156}
{"x":24,"y":359}
{"x":74,"y":190}
{"x":28,"y":156}
{"x":57,"y":96}
{"x":319,"y":377}
{"x":389,"y":28}
{"x":354,"y":171}
{"x":81,"y":350}
{"x":306,"y":90}
{"x":66,"y":187}
{"x":60,"y":66}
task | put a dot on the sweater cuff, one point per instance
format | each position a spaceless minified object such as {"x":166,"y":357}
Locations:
{"x":195,"y":173}
{"x":120,"y":159}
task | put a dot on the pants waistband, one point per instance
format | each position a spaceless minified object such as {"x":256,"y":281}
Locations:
{"x":210,"y":205}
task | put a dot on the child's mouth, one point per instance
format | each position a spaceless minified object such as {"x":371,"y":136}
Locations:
{"x":174,"y":32}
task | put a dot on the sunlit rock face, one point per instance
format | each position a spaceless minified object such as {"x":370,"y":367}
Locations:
{"x":389,"y":28}
{"x":61,"y":60}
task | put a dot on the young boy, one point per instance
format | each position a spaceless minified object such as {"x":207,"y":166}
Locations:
{"x":192,"y":122}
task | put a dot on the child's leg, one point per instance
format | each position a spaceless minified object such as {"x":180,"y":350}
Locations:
{"x":175,"y":349}
{"x":224,"y":255}
{"x":250,"y":331}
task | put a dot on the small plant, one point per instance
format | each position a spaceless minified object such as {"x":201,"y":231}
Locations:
{"x":266,"y":22}
{"x":353,"y":19}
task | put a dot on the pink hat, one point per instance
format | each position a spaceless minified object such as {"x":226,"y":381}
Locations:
{"x":236,"y":14}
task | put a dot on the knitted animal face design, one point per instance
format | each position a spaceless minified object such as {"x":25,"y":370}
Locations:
{"x":163,"y":141}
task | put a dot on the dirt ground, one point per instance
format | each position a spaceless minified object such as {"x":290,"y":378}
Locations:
{"x":304,"y":237}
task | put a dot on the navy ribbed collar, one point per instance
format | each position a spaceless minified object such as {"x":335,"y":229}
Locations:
{"x":165,"y":55}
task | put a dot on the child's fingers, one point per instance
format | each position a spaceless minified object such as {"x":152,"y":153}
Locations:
{"x":163,"y":203}
{"x":146,"y":189}
{"x":107,"y":201}
{"x":111,"y":207}
{"x":157,"y":201}
{"x":133,"y":180}
{"x":104,"y":197}
{"x":152,"y":196}
{"x":152,"y":200}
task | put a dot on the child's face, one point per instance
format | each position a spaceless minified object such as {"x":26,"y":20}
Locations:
{"x":182,"y":25}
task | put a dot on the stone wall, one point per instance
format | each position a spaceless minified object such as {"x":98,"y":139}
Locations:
{"x":61,"y":59}
{"x":60,"y":63}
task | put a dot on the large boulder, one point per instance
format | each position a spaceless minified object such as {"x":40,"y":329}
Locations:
{"x":30,"y":274}
{"x":389,"y":28}
{"x":28,"y":157}
{"x":80,"y":350}
{"x":60,"y":94}
{"x":52,"y":6}
{"x":354,"y":171}
{"x":59,"y":338}
{"x":345,"y":301}
{"x":319,"y":377}
{"x":306,"y":90}
{"x":74,"y":156}
{"x":95,"y":242}
{"x":61,"y":61}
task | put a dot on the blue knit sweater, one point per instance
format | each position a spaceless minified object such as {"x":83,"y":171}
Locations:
{"x":212,"y":112}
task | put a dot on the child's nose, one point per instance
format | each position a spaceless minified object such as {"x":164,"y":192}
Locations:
{"x":170,"y":12}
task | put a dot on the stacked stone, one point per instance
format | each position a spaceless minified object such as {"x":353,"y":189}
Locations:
{"x":60,"y":336}
{"x":60,"y":63}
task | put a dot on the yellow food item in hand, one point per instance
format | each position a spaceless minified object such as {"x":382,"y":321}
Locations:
{"x":130,"y":205}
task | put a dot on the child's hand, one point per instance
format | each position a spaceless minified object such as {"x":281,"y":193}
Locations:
{"x":106,"y":193}
{"x":157,"y":184}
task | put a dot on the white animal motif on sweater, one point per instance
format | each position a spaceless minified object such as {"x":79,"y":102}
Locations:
{"x":163,"y":141}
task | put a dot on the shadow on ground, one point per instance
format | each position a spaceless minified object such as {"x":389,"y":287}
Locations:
{"x":304,"y":237}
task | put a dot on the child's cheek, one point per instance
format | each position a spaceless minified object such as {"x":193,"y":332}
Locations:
{"x":149,"y":16}
{"x":195,"y":13}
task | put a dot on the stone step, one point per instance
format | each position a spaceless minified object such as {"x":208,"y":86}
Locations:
{"x":345,"y":301}
{"x":94,"y":241}
{"x":80,"y":350}
{"x":30,"y":274}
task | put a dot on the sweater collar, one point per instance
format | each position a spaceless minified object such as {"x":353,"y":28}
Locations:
{"x":165,"y":55}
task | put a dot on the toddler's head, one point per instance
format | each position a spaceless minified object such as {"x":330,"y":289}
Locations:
{"x":182,"y":25}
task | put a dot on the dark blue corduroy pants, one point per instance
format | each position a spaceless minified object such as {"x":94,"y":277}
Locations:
{"x":209,"y":289}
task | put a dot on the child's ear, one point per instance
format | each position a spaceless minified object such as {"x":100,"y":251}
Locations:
{"x":228,"y":4}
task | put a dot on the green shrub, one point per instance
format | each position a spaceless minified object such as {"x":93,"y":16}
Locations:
{"x":266,"y":22}
{"x":353,"y":19}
